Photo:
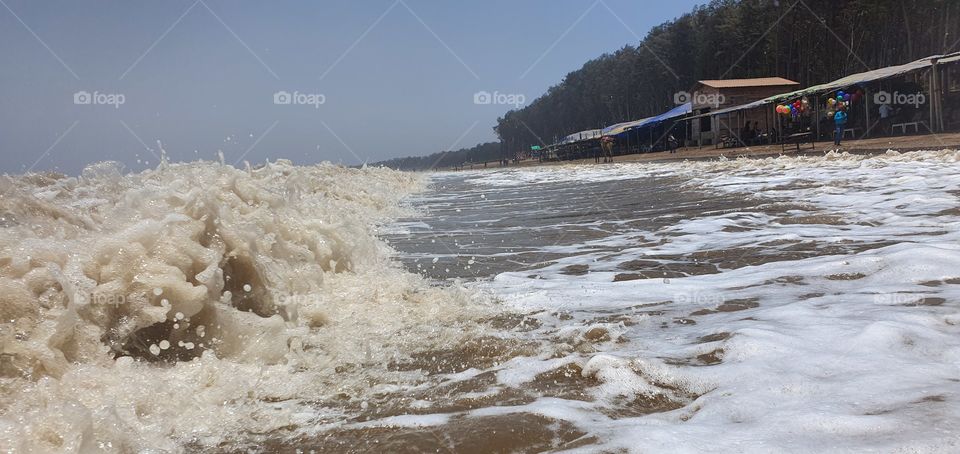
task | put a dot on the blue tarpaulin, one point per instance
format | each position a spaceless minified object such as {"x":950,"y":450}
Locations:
{"x":620,"y":128}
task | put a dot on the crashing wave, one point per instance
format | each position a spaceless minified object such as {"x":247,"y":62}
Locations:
{"x":156,"y":309}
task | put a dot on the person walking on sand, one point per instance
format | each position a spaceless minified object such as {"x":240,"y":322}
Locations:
{"x":840,"y":120}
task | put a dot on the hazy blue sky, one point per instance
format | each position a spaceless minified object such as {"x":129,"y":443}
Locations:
{"x":398,"y":78}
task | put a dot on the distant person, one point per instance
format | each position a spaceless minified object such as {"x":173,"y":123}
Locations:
{"x":886,"y":114}
{"x":672,"y":143}
{"x":840,"y":121}
{"x":745,"y":134}
{"x":607,"y":143}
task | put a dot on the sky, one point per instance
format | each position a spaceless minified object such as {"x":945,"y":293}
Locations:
{"x":341,"y":81}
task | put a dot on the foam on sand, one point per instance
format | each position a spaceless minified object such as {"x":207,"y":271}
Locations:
{"x":830,"y":322}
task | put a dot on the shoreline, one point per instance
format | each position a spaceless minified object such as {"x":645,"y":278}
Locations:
{"x":863,"y":146}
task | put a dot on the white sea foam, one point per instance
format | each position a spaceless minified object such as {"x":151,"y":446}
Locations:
{"x":847,"y":349}
{"x":197,"y":302}
{"x":841,"y":331}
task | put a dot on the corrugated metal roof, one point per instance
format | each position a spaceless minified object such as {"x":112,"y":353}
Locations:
{"x":949,"y":58}
{"x":743,"y":83}
{"x":582,"y":135}
{"x":868,"y":76}
{"x":853,"y":79}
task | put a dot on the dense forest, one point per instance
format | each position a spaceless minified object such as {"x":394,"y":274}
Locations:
{"x":810,"y":41}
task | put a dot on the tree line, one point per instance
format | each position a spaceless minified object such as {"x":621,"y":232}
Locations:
{"x":809,"y":41}
{"x":485,"y":152}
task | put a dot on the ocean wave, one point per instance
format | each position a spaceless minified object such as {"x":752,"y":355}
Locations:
{"x":196,"y":302}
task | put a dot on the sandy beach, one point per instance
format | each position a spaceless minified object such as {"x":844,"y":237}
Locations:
{"x":862,"y":146}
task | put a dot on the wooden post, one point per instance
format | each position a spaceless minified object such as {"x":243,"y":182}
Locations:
{"x":741,"y":123}
{"x":936,"y":98}
{"x":766,"y":121}
{"x":819,"y":116}
{"x":779,"y":129}
{"x":933,"y":89}
{"x":866,"y":104}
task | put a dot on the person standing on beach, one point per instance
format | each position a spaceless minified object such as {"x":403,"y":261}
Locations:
{"x":840,"y":120}
{"x":886,"y":113}
{"x":606,"y":143}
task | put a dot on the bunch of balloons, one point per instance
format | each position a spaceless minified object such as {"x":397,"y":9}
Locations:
{"x":795,"y":108}
{"x":842,"y":101}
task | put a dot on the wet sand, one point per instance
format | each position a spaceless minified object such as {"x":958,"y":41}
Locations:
{"x":864,"y":146}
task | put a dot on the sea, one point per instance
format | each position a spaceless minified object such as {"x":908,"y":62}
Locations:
{"x":780,"y":304}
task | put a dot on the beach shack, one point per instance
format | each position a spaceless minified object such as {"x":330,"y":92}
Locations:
{"x":894,"y":100}
{"x":579,"y":145}
{"x":651,"y":133}
{"x":715,"y":95}
{"x":920,"y":96}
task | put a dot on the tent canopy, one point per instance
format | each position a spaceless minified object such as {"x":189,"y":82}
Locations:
{"x":621,"y":128}
{"x":582,"y":135}
{"x":749,"y":105}
{"x":678,"y":111}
